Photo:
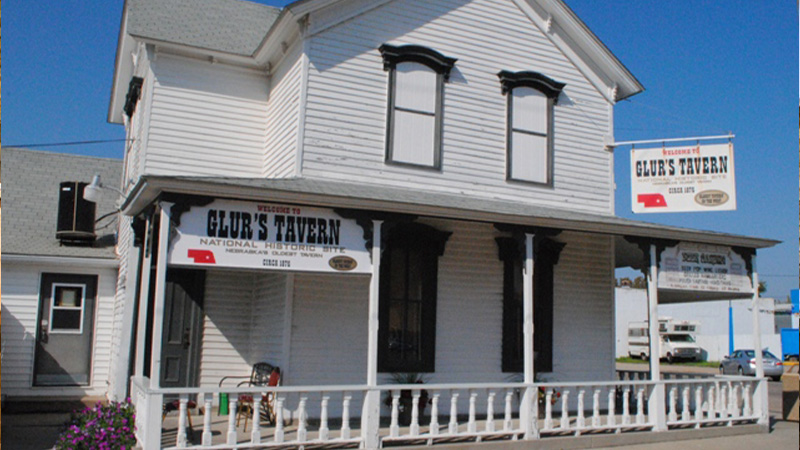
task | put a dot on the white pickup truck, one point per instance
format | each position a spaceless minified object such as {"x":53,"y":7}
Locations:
{"x":677,"y":340}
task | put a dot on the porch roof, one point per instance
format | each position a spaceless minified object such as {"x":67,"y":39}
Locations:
{"x":339,"y":194}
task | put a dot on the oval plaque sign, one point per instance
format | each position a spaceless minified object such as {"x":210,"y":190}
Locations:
{"x":711,"y":198}
{"x":343,"y":263}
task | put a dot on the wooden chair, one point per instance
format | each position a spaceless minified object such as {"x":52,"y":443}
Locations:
{"x":263,"y":374}
{"x":267,"y":402}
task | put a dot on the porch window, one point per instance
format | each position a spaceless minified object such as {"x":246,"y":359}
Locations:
{"x":409,"y":274}
{"x":529,"y":134}
{"x":416,"y":91}
{"x":546,"y":257}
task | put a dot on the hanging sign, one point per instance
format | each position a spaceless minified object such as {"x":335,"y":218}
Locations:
{"x":709,"y":268}
{"x":683,"y":179}
{"x":267,"y":236}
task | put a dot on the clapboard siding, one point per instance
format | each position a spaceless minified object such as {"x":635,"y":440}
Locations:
{"x":21,"y":283}
{"x":269,"y":306}
{"x":227,"y":326}
{"x":206,"y":119}
{"x":122,"y":295}
{"x":346,"y":103}
{"x":283,"y":112}
{"x":583,"y":330}
{"x":329,"y":330}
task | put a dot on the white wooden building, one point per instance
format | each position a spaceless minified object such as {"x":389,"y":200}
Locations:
{"x":349,"y":189}
{"x":46,"y":355}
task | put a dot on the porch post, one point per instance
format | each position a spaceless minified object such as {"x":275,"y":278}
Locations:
{"x":760,"y":396}
{"x":526,"y":408}
{"x":656,"y":403}
{"x":144,"y":296}
{"x":370,"y":416}
{"x":160,"y":292}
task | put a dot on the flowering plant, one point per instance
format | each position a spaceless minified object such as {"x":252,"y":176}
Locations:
{"x":102,"y":427}
{"x":543,"y":396}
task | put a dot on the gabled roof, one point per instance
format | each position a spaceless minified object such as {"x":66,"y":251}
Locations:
{"x":340,"y":194}
{"x":242,"y":29}
{"x":231,"y":26}
{"x":30,"y":202}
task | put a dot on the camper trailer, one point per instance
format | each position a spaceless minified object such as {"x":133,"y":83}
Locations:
{"x":677,"y":339}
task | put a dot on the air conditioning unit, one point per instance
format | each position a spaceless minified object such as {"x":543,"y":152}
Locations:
{"x":75,"y":214}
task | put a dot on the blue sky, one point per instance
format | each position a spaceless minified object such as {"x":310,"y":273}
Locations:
{"x":708,"y":67}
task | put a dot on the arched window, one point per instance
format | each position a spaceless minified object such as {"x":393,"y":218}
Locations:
{"x":416,"y":96}
{"x":409,"y":279}
{"x":529,"y":138}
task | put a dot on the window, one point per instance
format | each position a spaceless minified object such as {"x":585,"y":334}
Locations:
{"x":529,"y":134}
{"x":66,"y":310}
{"x":546,"y":257}
{"x":416,"y":96}
{"x":409,"y":274}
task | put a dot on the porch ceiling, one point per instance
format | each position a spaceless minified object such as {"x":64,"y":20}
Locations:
{"x":338,"y":194}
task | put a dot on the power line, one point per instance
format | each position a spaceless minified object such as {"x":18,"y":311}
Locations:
{"x":65,"y":144}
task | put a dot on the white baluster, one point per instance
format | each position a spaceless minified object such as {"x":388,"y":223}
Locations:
{"x":698,"y":405}
{"x":434,"y":428}
{"x":490,"y":411}
{"x":731,"y":407}
{"x":471,"y":426}
{"x":548,"y":409}
{"x":581,"y":421}
{"x":279,"y":431}
{"x":596,"y":408}
{"x":735,"y":411}
{"x":612,"y":405}
{"x":673,"y":413}
{"x":324,"y":431}
{"x":721,"y":401}
{"x":232,"y":410}
{"x":712,"y":411}
{"x":565,"y":410}
{"x":302,"y":426}
{"x":748,"y":405}
{"x":181,"y":438}
{"x":394,"y":427}
{"x":255,"y":434}
{"x":626,"y":405}
{"x":453,"y":425}
{"x":209,"y":400}
{"x":640,"y":406}
{"x":346,"y":415}
{"x":507,"y":411}
{"x":686,"y":414}
{"x":415,"y":413}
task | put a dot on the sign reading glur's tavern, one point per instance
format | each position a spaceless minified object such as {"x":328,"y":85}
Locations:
{"x":268,"y":236}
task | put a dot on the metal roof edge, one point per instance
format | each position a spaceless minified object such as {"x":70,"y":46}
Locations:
{"x":150,"y":188}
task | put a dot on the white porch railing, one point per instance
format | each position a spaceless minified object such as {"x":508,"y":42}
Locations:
{"x":441,"y":413}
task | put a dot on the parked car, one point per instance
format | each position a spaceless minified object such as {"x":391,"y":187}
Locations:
{"x":743,"y":362}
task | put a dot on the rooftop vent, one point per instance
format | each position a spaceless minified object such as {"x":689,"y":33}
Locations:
{"x":75,"y":214}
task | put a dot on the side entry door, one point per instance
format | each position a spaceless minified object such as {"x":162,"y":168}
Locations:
{"x":63,"y":355}
{"x":183,"y":313}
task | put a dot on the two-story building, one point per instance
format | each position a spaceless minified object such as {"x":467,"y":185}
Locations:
{"x":353,"y":189}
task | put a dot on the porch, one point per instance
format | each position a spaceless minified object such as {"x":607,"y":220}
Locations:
{"x":496,"y":413}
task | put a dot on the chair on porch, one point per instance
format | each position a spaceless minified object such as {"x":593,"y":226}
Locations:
{"x":263,"y":374}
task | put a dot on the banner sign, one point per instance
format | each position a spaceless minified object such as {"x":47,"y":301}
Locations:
{"x":247,"y":235}
{"x":683,"y":179}
{"x":795,"y":301}
{"x":697,"y":267}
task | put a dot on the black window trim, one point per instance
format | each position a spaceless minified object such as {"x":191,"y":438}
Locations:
{"x":552,"y":90}
{"x":401,"y":235}
{"x":442,"y":65}
{"x":511,"y":251}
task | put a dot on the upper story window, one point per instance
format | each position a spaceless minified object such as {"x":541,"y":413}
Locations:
{"x":416,"y":98}
{"x":529,"y":138}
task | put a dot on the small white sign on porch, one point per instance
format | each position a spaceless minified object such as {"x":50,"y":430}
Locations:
{"x":708,"y":268}
{"x":248,"y":235}
{"x":683,"y":179}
